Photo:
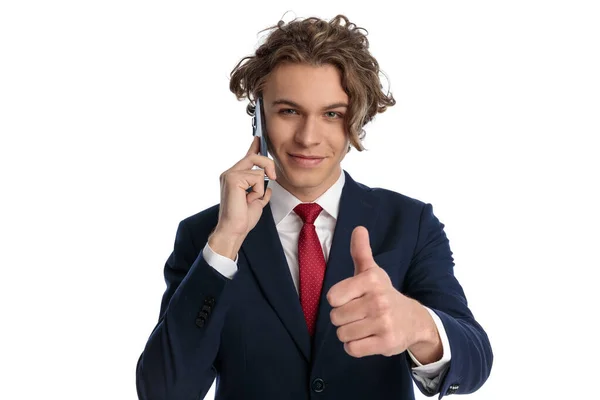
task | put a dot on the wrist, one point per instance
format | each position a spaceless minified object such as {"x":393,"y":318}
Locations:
{"x":427,"y":330}
{"x":426,"y":342}
{"x":225,"y":244}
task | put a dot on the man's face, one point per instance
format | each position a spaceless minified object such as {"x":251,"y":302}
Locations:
{"x":304,"y":110}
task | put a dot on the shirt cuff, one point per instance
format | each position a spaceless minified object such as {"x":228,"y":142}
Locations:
{"x":223,"y":265}
{"x":434,"y":369}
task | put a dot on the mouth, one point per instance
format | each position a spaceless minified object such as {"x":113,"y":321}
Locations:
{"x":306,"y":156}
{"x":305,"y":161}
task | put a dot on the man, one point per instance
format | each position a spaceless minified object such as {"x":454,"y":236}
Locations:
{"x":318,"y":287}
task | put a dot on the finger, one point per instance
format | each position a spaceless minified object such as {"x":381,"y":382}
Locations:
{"x":347,"y":290}
{"x":355,"y":331}
{"x":360,"y":250}
{"x":257,"y":191}
{"x":267,"y":164}
{"x":354,"y":310}
{"x":252,"y":181}
{"x":254,"y":146}
{"x":252,"y":160}
{"x":368,"y":346}
{"x":253,"y":196}
{"x":261,"y":203}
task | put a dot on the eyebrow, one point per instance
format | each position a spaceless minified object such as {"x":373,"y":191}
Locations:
{"x":296,"y":105}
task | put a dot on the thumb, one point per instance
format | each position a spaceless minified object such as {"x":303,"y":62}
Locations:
{"x":360,"y":250}
{"x":263,"y":202}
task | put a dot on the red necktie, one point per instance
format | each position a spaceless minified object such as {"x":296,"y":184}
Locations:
{"x":311,"y":262}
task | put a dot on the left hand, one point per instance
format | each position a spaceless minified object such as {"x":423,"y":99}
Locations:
{"x":371,"y":315}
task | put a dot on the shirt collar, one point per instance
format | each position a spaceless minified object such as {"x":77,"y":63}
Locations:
{"x":283,"y":202}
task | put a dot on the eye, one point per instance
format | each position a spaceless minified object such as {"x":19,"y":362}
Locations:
{"x":287,"y":111}
{"x":333,"y":115}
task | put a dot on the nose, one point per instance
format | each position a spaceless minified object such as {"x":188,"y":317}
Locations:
{"x":307,"y":133}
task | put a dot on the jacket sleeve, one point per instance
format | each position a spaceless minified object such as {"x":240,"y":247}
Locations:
{"x":431,"y":281}
{"x":178,"y":359}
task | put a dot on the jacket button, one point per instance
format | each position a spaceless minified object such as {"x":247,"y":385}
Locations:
{"x":318,"y":385}
{"x":206,"y":308}
{"x":209,"y":301}
{"x":200,"y":321}
{"x":453,"y":388}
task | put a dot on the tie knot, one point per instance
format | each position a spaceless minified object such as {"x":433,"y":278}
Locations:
{"x":308,"y":212}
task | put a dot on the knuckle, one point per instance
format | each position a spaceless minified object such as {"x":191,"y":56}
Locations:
{"x":228,"y":175}
{"x":340,"y":332}
{"x":256,"y":159}
{"x":386,"y":324}
{"x":352,"y":348}
{"x":333,"y":316}
{"x":382,"y":304}
{"x":330,"y":297}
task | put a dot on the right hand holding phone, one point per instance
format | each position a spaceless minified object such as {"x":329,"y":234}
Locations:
{"x":239,"y":211}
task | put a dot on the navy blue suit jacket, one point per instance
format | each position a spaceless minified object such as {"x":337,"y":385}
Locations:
{"x":250,"y":334}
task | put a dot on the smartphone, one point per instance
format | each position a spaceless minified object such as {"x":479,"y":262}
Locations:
{"x":259,"y":129}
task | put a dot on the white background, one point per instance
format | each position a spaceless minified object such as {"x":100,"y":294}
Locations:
{"x":116,"y":121}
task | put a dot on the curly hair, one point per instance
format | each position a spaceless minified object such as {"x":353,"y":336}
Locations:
{"x":316,"y":42}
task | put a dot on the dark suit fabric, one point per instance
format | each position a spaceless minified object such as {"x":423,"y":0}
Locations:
{"x":249,"y":332}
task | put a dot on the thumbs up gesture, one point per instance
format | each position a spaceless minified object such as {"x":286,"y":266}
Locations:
{"x":371,"y":315}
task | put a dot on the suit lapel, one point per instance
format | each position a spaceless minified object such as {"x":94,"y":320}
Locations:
{"x":357,"y":208}
{"x":266,"y":258}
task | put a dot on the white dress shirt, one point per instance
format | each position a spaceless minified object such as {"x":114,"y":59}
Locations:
{"x":289,"y":224}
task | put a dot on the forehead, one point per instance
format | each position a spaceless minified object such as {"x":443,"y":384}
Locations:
{"x":305,"y":84}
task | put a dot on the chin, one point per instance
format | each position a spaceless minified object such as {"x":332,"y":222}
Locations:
{"x":304,"y":178}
